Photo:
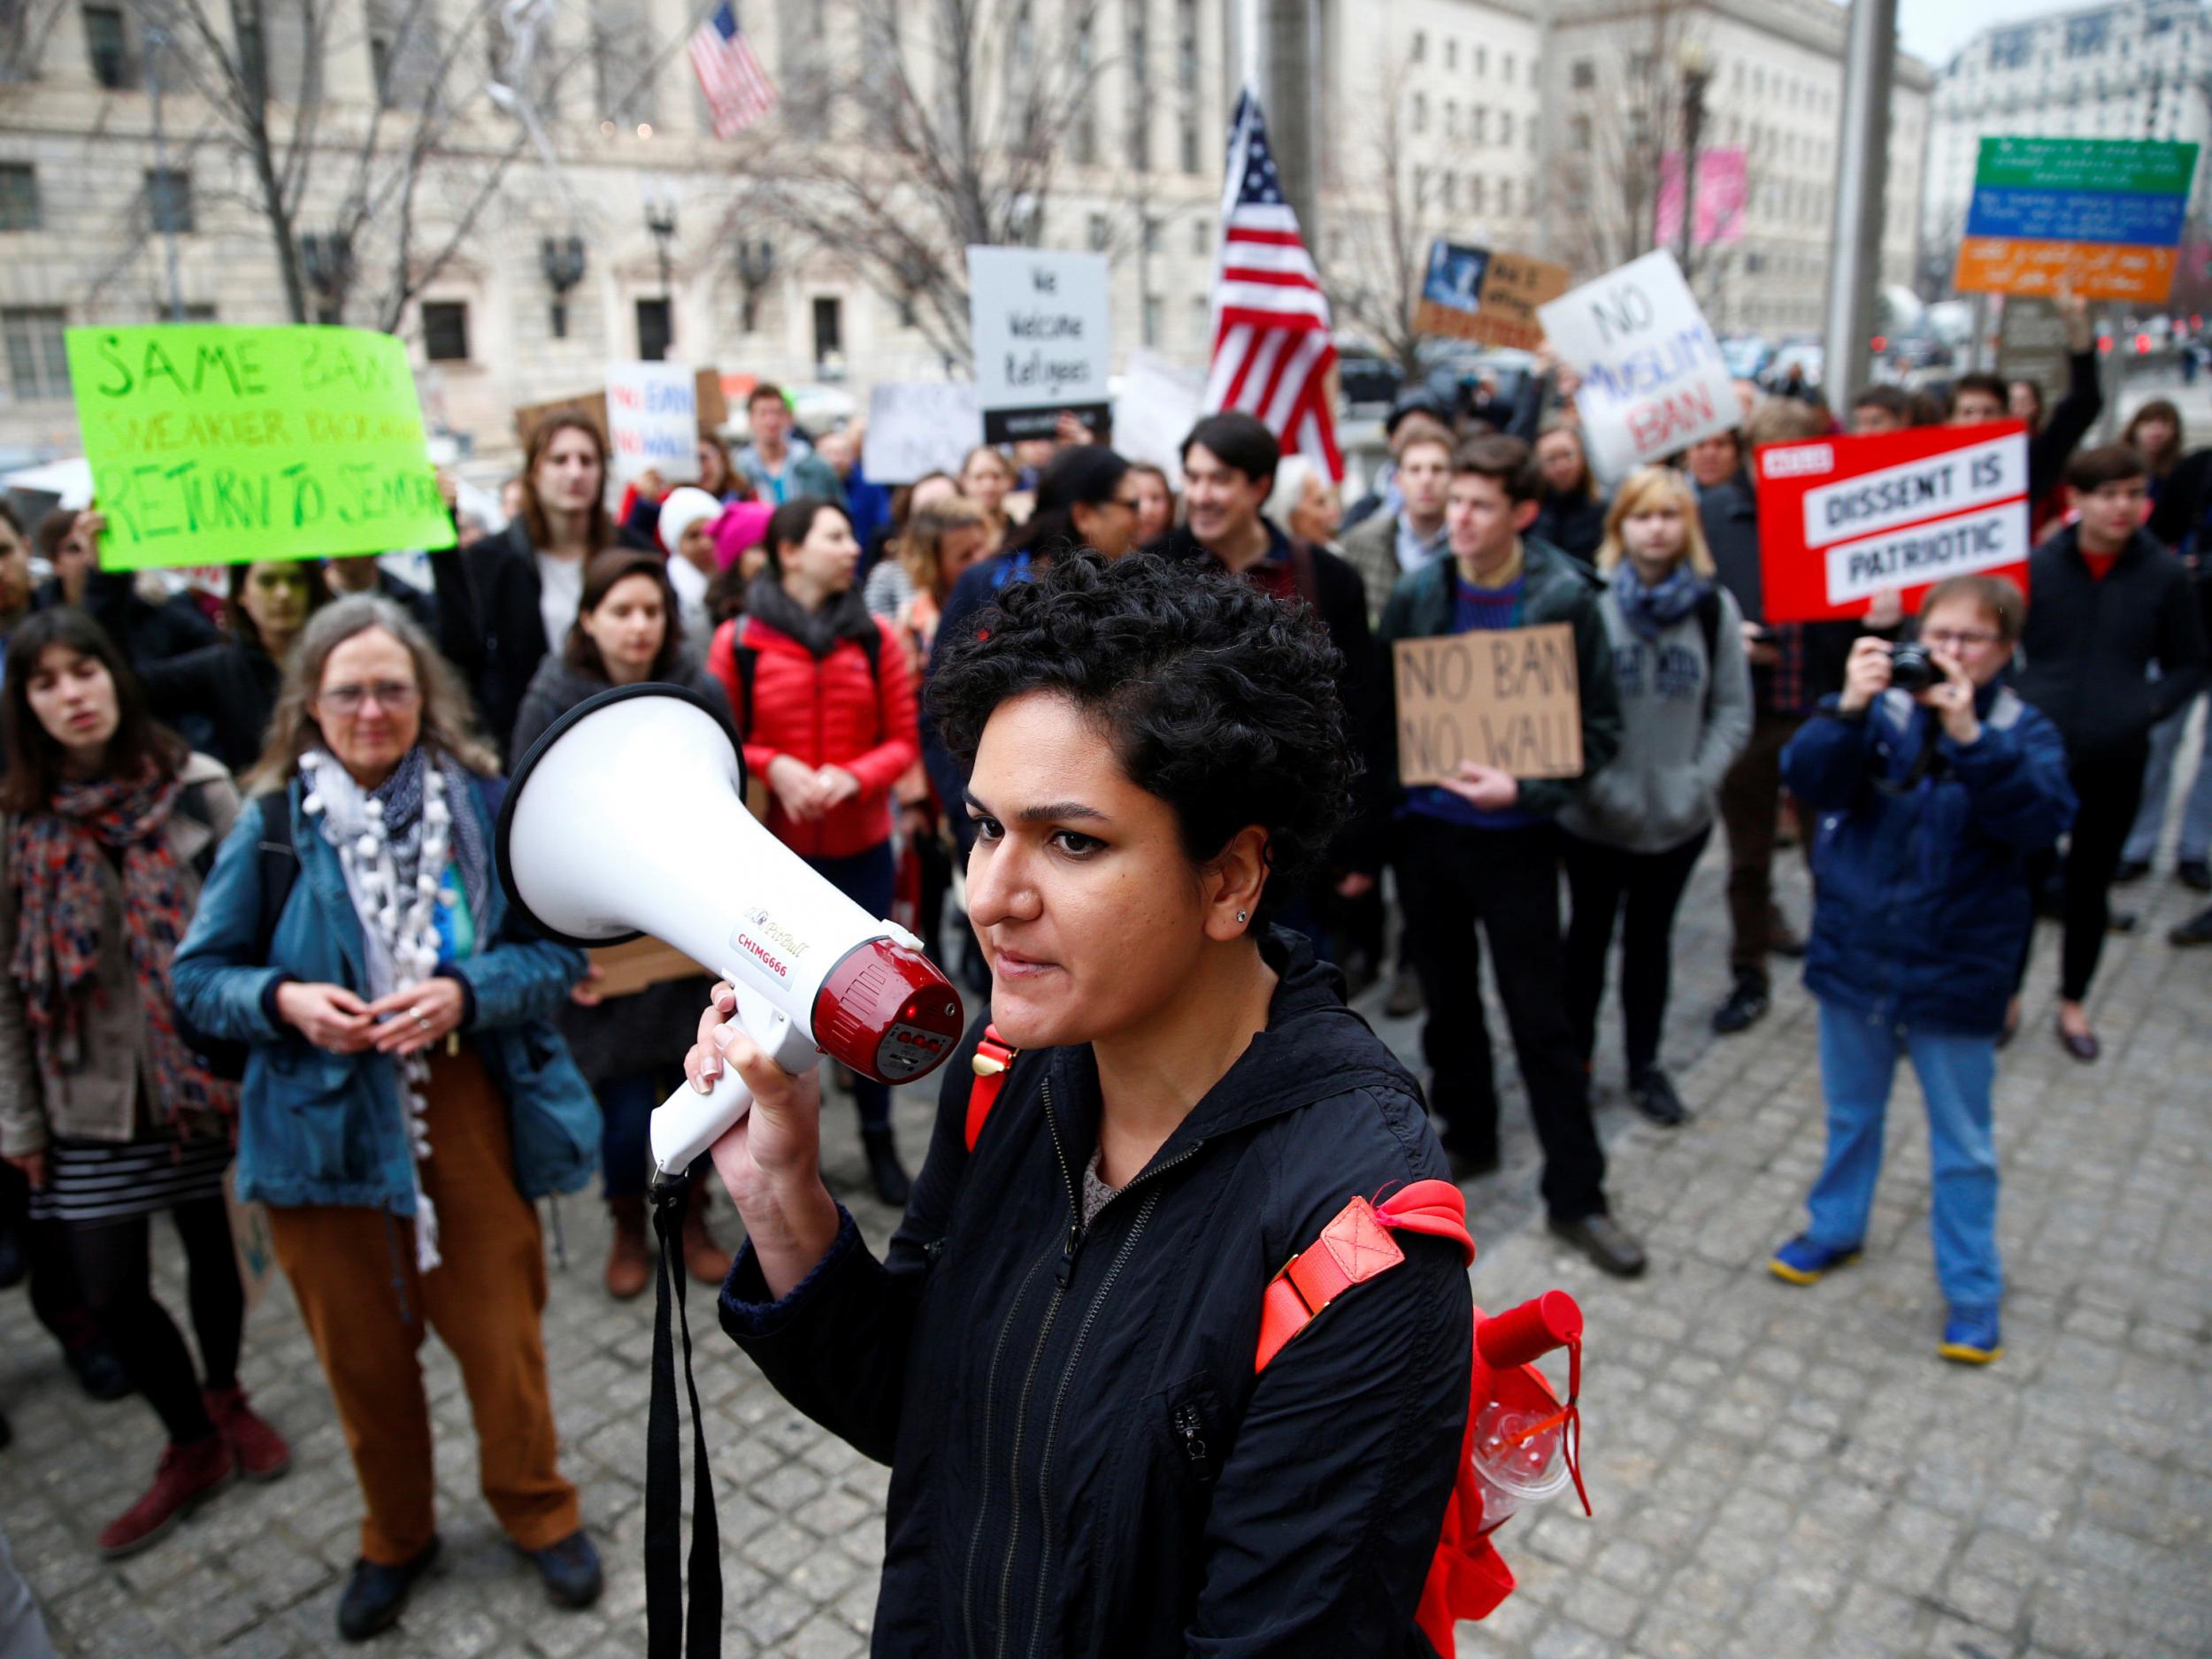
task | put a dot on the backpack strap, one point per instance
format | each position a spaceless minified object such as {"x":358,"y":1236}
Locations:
{"x":279,"y":866}
{"x":1353,"y":1249}
{"x":1709,"y":626}
{"x":992,"y":1062}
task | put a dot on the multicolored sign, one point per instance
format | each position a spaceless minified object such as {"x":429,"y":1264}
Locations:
{"x":2101,"y":216}
{"x":1842,"y":519}
{"x":1474,"y":293}
{"x":214,"y":445}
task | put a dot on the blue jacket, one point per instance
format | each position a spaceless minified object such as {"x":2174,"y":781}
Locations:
{"x":1922,"y":900}
{"x":321,"y":1128}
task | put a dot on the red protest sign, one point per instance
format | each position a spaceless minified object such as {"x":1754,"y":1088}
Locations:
{"x":1843,"y":519}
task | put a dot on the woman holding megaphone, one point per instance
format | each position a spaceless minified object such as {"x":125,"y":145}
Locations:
{"x":1056,"y":1356}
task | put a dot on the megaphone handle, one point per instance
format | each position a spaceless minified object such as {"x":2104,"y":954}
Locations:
{"x":688,"y":1123}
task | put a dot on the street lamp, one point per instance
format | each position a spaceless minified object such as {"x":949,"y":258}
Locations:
{"x":1696,"y":64}
{"x":562,"y":259}
{"x":915,"y":269}
{"x":660,"y":221}
{"x":328,"y":263}
{"x":756,"y":264}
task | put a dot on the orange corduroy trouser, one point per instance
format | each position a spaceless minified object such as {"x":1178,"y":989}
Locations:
{"x":353,"y":1273}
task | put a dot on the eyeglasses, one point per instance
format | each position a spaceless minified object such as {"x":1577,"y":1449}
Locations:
{"x":1960,"y":639}
{"x":395,"y":696}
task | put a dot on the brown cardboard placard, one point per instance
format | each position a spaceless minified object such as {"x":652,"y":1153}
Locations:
{"x":1507,"y":698}
{"x":1484,"y":294}
{"x":642,"y":962}
{"x":714,"y":409}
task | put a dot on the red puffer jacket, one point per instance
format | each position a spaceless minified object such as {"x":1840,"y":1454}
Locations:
{"x":833,"y":711}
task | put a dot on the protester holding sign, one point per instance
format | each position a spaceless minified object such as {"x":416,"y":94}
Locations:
{"x":230,"y":689}
{"x":2110,"y":605}
{"x":505,"y":601}
{"x":1478,"y":847}
{"x":110,"y":826}
{"x":150,"y":629}
{"x":406,"y":1099}
{"x":1637,"y":830}
{"x":626,"y":633}
{"x":1932,"y":802}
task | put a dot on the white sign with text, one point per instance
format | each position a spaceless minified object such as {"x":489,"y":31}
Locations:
{"x":653,"y":421}
{"x":1043,"y":329}
{"x":918,"y":427}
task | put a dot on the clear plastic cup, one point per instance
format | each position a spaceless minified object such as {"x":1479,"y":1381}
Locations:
{"x":1514,"y":1474}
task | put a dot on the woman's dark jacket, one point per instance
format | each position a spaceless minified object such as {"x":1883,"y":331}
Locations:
{"x":2089,"y":641}
{"x":651,"y":1028}
{"x":228,"y":690}
{"x":1573,"y":521}
{"x":1082,"y":1462}
{"x":1920,"y":864}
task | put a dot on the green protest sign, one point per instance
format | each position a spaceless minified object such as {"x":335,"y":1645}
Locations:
{"x":214,"y":445}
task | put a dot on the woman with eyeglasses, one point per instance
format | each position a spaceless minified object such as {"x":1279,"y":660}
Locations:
{"x":406,"y":1097}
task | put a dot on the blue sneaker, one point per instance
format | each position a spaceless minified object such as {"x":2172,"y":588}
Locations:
{"x":1802,"y":1262}
{"x":1970,"y":1336}
{"x":571,"y":1570}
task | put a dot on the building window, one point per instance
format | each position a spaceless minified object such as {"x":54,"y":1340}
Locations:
{"x":1188,"y":142}
{"x":1506,"y":68}
{"x":1098,"y":236}
{"x":829,"y":331}
{"x":1478,"y":202}
{"x":1420,"y":47}
{"x":18,"y":196}
{"x":1505,"y":198}
{"x":169,"y":201}
{"x":1582,"y":74}
{"x":1577,"y":133}
{"x":1202,"y":236}
{"x":445,"y":331}
{"x":1479,"y":126}
{"x":106,"y":45}
{"x":1451,"y":119}
{"x":1420,"y":112}
{"x":1482,"y":60}
{"x":1451,"y":193}
{"x":1151,"y":234}
{"x":38,"y":366}
{"x":1152,"y":316}
{"x":656,"y":330}
{"x":1505,"y":126}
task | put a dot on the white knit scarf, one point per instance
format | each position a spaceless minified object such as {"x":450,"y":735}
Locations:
{"x":400,"y":928}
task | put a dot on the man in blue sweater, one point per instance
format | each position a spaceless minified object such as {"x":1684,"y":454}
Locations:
{"x":1931,"y":804}
{"x":1480,"y":847}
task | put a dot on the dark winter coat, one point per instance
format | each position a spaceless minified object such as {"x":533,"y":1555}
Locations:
{"x":1920,"y":863}
{"x":228,"y":689}
{"x":1554,"y":589}
{"x":1082,"y":1462}
{"x":2090,"y":641}
{"x":1574,"y":523}
{"x":623,"y":1034}
{"x":1729,"y":515}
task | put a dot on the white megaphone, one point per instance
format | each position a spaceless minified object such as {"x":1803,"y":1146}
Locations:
{"x":628,"y":817}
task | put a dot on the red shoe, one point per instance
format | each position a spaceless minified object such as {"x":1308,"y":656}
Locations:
{"x":258,"y":1450}
{"x":188,"y":1475}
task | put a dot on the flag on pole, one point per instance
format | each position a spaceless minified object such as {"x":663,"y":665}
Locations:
{"x":738,"y":89}
{"x":1273,"y":350}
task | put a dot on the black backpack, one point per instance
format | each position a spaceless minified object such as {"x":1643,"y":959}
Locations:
{"x":280,"y":867}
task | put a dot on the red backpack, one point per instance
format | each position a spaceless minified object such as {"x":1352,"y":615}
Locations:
{"x":1467,"y":1578}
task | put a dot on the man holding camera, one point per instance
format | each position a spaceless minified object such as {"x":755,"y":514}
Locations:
{"x":1934,"y":787}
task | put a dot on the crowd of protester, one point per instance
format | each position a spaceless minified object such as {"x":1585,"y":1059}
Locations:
{"x":248,"y":868}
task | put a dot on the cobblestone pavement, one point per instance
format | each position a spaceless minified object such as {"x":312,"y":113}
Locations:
{"x":1777,"y":1471}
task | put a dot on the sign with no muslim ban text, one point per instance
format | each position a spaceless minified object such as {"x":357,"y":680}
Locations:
{"x":1041,"y":326}
{"x":1842,"y":519}
{"x":1654,"y":380}
{"x":1508,"y":699}
{"x":213,"y":445}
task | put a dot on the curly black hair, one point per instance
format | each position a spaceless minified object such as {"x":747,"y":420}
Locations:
{"x":1216,"y":698}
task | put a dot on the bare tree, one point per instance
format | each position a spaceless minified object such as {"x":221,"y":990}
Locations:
{"x":952,"y":135}
{"x":1624,"y":112}
{"x":1388,"y":223}
{"x":407,"y":176}
{"x":24,"y":26}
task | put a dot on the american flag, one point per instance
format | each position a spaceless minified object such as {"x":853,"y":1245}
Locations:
{"x":1272,"y":350}
{"x":738,"y":89}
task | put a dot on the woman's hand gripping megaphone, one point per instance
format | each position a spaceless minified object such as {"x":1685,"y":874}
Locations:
{"x":775,"y":1145}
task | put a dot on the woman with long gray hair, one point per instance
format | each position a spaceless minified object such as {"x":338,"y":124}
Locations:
{"x":406,"y":1097}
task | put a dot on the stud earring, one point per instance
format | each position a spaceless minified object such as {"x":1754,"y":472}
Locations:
{"x":1242,"y":915}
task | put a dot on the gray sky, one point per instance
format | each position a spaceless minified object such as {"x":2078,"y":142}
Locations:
{"x":1933,"y":29}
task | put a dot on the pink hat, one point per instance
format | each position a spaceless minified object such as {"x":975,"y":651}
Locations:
{"x":743,"y":524}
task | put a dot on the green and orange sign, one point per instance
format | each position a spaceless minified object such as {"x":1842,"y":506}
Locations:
{"x":2100,"y":216}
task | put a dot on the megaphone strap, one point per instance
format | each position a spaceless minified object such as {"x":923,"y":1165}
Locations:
{"x":992,"y":1060}
{"x":701,"y":1635}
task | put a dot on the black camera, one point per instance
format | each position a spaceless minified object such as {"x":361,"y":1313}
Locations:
{"x":1911,"y":667}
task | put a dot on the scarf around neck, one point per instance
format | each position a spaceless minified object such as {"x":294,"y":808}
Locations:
{"x":845,"y":617}
{"x":1648,"y":610}
{"x":55,"y":858}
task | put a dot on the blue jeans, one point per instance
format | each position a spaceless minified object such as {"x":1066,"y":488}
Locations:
{"x":1858,"y":1057}
{"x":868,"y":879}
{"x":2196,"y":810}
{"x":626,"y":1126}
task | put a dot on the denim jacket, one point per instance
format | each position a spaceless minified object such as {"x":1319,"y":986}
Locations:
{"x":321,"y":1128}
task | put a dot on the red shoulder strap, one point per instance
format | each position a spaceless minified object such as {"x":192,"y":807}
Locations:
{"x":1354,"y":1247}
{"x":992,"y":1061}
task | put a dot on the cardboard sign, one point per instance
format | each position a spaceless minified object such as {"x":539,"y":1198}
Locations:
{"x":1509,"y":699}
{"x":714,"y":409}
{"x":919,"y":429}
{"x":2031,"y":345}
{"x":1654,"y":380}
{"x":1842,"y":519}
{"x":215,"y":445}
{"x":653,"y":421}
{"x":2102,"y":216}
{"x":1476,"y":294}
{"x":1044,"y":335}
{"x":642,"y":962}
